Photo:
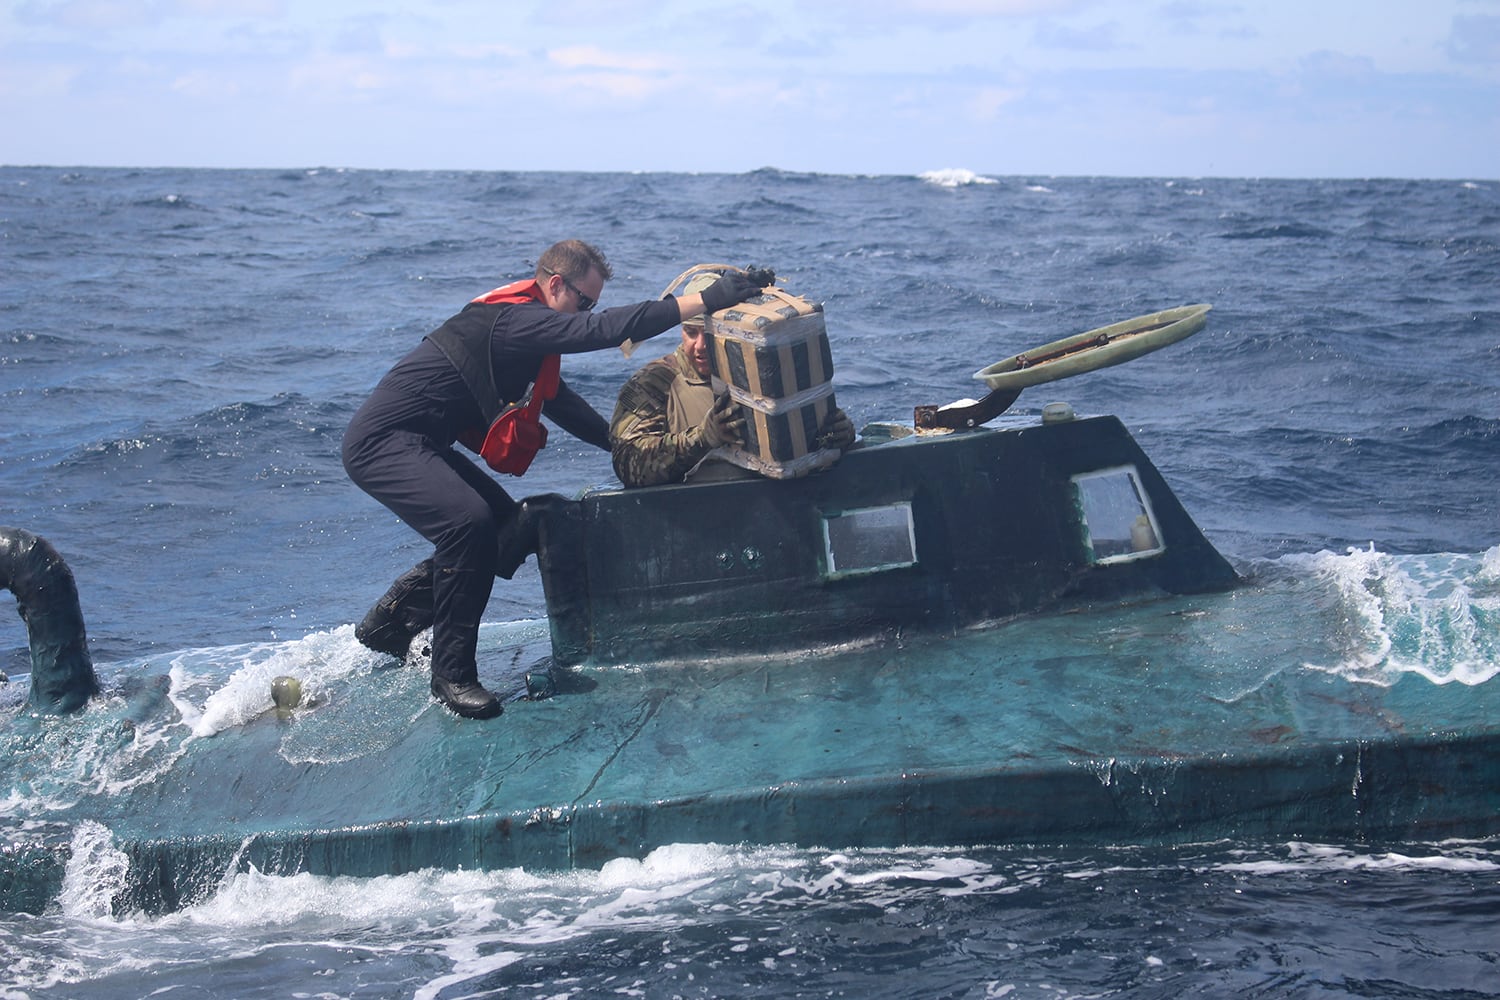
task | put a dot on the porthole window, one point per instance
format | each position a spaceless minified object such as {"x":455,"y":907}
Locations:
{"x":869,"y":540}
{"x":1118,"y":523}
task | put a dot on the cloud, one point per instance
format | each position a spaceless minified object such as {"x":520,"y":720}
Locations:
{"x":1099,"y":38}
{"x":201,"y":85}
{"x":358,"y":36}
{"x":465,"y":51}
{"x":986,"y":104}
{"x":337,"y":77}
{"x":591,"y":72}
{"x":593,"y":57}
{"x":865,"y":16}
{"x":973,"y":8}
{"x":1475,"y":39}
{"x":87,"y":15}
{"x":114,"y":15}
{"x":1338,"y":66}
{"x":861,"y":85}
{"x":232,"y":8}
{"x":22,"y":84}
{"x":1193,"y":17}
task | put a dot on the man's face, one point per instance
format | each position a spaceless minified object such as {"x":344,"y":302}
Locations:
{"x":569,"y":296}
{"x":696,"y":344}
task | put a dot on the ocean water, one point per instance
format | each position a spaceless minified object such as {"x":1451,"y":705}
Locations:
{"x":180,"y":351}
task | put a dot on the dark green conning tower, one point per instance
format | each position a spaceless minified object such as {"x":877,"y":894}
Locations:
{"x":928,"y":532}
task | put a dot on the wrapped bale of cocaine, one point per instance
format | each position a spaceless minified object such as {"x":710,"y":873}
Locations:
{"x":771,"y":355}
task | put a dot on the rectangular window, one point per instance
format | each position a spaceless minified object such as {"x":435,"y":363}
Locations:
{"x":1118,"y":523}
{"x":869,"y":540}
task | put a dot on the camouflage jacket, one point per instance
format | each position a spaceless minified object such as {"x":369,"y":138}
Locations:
{"x":645,"y":449}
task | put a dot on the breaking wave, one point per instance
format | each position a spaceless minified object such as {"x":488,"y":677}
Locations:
{"x":1436,"y":616}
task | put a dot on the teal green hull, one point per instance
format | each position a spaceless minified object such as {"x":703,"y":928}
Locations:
{"x":1109,"y":714}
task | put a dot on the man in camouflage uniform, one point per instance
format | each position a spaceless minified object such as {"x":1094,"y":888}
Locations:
{"x":667,"y":420}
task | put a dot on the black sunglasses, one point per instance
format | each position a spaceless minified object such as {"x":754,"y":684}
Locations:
{"x":585,"y":304}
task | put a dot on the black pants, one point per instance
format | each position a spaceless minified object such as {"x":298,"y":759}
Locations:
{"x":457,"y":507}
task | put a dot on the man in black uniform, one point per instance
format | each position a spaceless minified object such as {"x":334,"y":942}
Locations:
{"x":399,"y":446}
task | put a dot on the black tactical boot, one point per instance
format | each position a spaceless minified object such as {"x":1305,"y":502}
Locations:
{"x":401,"y":614}
{"x":469,"y":699}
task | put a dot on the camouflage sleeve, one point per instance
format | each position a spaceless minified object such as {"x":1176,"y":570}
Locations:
{"x":644,"y":451}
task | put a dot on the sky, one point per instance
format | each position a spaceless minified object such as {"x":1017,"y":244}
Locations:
{"x":1172,"y":88}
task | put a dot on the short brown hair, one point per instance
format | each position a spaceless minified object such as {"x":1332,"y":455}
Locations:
{"x":573,"y":259}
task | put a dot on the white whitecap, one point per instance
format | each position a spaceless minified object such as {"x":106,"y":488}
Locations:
{"x":1435,"y":615}
{"x":952,"y":177}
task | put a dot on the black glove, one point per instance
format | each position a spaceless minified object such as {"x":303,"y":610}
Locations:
{"x":724,"y":424}
{"x":731,"y":289}
{"x":762,"y":276}
{"x":837,"y":431}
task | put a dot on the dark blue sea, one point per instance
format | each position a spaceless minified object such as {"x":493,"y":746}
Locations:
{"x":180,"y":351}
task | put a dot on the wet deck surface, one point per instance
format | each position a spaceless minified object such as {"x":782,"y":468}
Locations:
{"x":1184,"y":718}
